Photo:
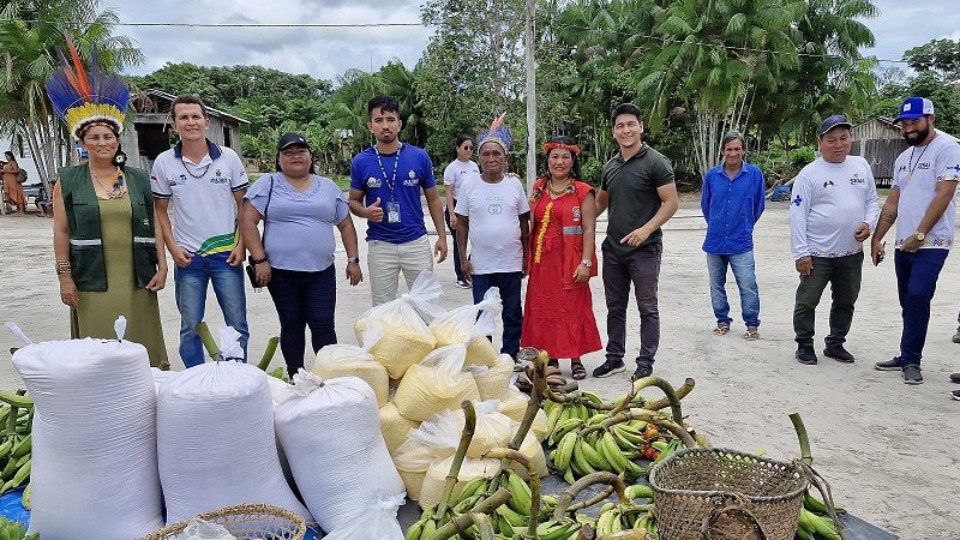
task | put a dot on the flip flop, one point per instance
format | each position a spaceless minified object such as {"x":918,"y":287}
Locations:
{"x":721,"y":330}
{"x":578,"y":372}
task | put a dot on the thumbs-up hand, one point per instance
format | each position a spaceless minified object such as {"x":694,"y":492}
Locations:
{"x":374,"y":212}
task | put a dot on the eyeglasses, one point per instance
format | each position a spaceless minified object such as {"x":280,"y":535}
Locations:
{"x":467,"y":147}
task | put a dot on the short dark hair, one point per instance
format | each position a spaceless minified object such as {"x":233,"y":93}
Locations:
{"x":10,"y":155}
{"x":626,"y":108}
{"x":187,"y":100}
{"x":575,"y":167}
{"x":730,"y":137}
{"x":462,"y":139}
{"x":384,"y":103}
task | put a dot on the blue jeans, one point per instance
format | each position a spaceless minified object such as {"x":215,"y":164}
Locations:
{"x":191,"y":284}
{"x":742,"y":265}
{"x":302,"y":299}
{"x":917,"y":275}
{"x":509,"y":285}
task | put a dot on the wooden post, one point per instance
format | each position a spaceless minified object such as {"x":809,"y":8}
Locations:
{"x":531,"y":71}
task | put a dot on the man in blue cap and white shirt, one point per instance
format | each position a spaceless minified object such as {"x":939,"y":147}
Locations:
{"x":921,"y":203}
{"x":834,"y":206}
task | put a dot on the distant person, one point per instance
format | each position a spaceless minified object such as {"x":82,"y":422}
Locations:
{"x":493,"y":216}
{"x":732,"y":201}
{"x":921,"y":203}
{"x":295,"y":257}
{"x":109,"y":253}
{"x":638,"y":188}
{"x":385,"y":184}
{"x":834,"y":207}
{"x":206,"y":183}
{"x":562,"y":258}
{"x":456,"y":173}
{"x":11,"y":184}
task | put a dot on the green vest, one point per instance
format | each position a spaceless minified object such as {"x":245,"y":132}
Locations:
{"x":83,"y":220}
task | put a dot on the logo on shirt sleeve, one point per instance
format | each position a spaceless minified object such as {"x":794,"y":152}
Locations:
{"x":797,"y":201}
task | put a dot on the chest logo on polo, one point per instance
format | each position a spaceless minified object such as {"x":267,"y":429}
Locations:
{"x":412,"y":179}
{"x":218,"y":178}
{"x":924,"y":166}
{"x":828,"y":183}
{"x":373,"y":183}
{"x":857,"y":180}
{"x":179,"y":181}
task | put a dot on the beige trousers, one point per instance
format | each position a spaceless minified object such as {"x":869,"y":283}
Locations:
{"x":385,"y":261}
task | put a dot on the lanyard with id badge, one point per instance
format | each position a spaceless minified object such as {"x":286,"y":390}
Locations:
{"x":393,"y":207}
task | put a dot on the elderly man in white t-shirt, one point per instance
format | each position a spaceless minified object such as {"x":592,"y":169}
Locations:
{"x":834,"y":207}
{"x":493,"y":213}
{"x":921,"y":203}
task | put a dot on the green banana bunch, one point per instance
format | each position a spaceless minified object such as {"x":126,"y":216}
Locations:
{"x":11,"y":530}
{"x":814,"y":522}
{"x":552,"y":530}
{"x":16,"y":441}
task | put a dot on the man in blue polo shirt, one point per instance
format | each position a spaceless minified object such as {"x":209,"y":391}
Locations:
{"x":732,"y":202}
{"x":385,"y":184}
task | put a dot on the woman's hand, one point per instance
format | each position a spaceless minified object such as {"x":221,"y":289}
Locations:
{"x":68,"y":292}
{"x":264,"y":272}
{"x":354,"y":274}
{"x":581,"y":274}
{"x":158,"y":282}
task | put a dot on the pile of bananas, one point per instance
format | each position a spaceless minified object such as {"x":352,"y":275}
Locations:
{"x":16,"y":443}
{"x":11,"y":530}
{"x":815,"y":522}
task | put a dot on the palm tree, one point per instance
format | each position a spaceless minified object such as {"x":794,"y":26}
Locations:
{"x":31,"y":31}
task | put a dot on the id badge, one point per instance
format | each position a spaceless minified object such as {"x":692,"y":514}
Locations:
{"x":393,"y":212}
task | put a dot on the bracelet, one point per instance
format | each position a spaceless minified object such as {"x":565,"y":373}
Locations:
{"x":63,"y":267}
{"x":254,"y":262}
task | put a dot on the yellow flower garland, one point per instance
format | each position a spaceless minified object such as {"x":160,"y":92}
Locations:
{"x":543,"y":233}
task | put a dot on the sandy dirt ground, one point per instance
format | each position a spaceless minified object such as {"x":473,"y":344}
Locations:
{"x":890,"y":451}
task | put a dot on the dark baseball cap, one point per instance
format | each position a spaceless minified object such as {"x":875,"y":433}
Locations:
{"x":831,"y":122}
{"x":291,"y":139}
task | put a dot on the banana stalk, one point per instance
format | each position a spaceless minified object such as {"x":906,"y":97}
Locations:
{"x":805,"y":463}
{"x":668,"y":390}
{"x":513,"y":455}
{"x":210,"y":344}
{"x":804,"y":439}
{"x":533,"y":407}
{"x":596,"y":478}
{"x":681,"y":392}
{"x":462,"y":522}
{"x":268,"y":353}
{"x":466,"y":436}
{"x":596,"y":499}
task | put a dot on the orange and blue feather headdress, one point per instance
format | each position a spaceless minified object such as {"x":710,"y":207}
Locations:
{"x":497,"y":133}
{"x":82,"y":98}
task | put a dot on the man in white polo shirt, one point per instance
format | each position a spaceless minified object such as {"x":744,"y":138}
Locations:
{"x":206,"y":183}
{"x":921,"y":203}
{"x":834,"y":207}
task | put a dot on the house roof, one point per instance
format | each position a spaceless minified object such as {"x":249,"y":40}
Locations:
{"x":168,"y":98}
{"x":886,"y":122}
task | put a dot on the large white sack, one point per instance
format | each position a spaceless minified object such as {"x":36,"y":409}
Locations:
{"x":94,"y":468}
{"x":330,"y":433}
{"x":377,"y":522}
{"x":216,"y":441}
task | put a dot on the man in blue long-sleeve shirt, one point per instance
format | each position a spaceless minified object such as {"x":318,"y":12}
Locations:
{"x":732,"y":202}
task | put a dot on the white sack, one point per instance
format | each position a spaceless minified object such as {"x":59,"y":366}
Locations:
{"x":378,"y":522}
{"x":216,"y":441}
{"x":94,"y":469}
{"x":330,"y":433}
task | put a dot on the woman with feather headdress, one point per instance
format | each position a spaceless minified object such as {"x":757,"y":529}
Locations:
{"x":110,"y":257}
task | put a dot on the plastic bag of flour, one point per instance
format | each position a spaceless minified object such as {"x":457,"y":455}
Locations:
{"x":344,"y":360}
{"x":493,"y":382}
{"x":330,"y":433}
{"x":439,"y":437}
{"x":216,"y":441}
{"x":456,"y":326}
{"x":436,"y":384}
{"x":436,"y":477}
{"x":94,"y":455}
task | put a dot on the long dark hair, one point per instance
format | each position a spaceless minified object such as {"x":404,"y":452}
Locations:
{"x":575,"y":169}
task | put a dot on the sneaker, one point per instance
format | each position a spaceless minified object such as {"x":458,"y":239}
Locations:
{"x":956,"y":337}
{"x":911,"y":374}
{"x":643,"y":370}
{"x":609,"y":368}
{"x":889,"y":365}
{"x":806,"y":356}
{"x":838,"y":353}
{"x":955,"y":378}
{"x":464,"y":284}
{"x":956,"y":394}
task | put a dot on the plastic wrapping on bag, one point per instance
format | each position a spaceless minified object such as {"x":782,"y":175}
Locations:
{"x":533,"y":451}
{"x":230,"y":347}
{"x":330,"y":433}
{"x":395,"y":428}
{"x":377,"y":522}
{"x":435,"y":385}
{"x":216,"y":441}
{"x":94,"y":456}
{"x":493,"y":382}
{"x":456,"y":326}
{"x":439,"y":437}
{"x":515,"y":406}
{"x":406,"y":337}
{"x":413,"y":482}
{"x":199,"y":529}
{"x":436,"y":477}
{"x":343,"y":360}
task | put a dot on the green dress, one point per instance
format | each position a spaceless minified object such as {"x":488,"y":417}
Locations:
{"x":99,"y":310}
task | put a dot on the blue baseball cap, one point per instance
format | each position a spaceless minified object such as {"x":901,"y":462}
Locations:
{"x":913,"y":108}
{"x":831,"y":122}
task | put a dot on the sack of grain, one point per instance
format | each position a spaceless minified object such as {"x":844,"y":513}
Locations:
{"x":344,"y":360}
{"x":439,"y":437}
{"x":436,"y":478}
{"x":493,"y":382}
{"x":515,"y":406}
{"x":395,"y":428}
{"x":456,"y":326}
{"x":533,"y":451}
{"x":436,"y":384}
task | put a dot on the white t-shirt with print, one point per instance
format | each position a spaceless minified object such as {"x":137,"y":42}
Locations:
{"x":494,"y":211}
{"x":202,"y":195}
{"x":916,"y":174}
{"x":457,"y":173}
{"x":829,"y":201}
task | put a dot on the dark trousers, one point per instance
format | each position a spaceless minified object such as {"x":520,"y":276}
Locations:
{"x":844,"y":275}
{"x":456,"y":250}
{"x":509,"y":285}
{"x":304,"y":299}
{"x":917,"y":275}
{"x":642,"y":269}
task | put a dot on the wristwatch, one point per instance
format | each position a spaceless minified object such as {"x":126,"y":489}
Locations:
{"x":354,"y":260}
{"x":587,"y":262}
{"x":254,"y":262}
{"x":920,"y":236}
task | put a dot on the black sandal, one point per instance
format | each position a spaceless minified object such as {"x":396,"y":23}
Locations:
{"x":577,"y":370}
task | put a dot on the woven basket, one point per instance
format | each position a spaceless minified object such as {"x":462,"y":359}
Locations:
{"x":246,"y":522}
{"x":720,"y":494}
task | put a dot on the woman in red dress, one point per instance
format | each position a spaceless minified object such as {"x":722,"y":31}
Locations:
{"x":558,"y":316}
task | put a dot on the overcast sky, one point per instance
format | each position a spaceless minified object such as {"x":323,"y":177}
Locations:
{"x":328,"y":52}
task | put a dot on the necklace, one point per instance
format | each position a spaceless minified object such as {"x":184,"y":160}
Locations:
{"x":911,"y":166}
{"x":117,"y":190}
{"x":558,"y":192}
{"x":198,"y":176}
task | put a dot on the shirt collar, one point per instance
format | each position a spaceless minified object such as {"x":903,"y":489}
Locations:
{"x":212,"y":149}
{"x":639,"y":154}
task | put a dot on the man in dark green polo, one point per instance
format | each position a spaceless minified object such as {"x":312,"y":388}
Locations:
{"x":638,"y":188}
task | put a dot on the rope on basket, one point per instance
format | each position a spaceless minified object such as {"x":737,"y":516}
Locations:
{"x":735,"y":506}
